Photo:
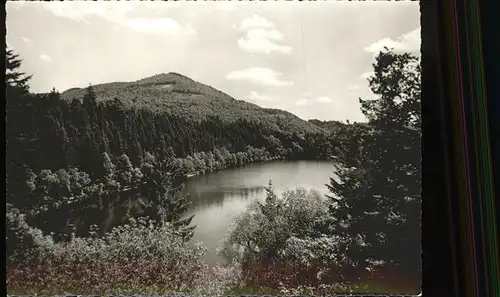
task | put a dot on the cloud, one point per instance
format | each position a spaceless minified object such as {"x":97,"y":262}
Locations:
{"x":260,"y":33}
{"x":307,"y":99}
{"x":119,"y":13}
{"x":46,"y":57}
{"x":81,"y":11}
{"x":323,"y":99}
{"x":260,"y":37}
{"x":165,"y":26}
{"x":355,"y":89}
{"x":302,"y":102}
{"x":255,"y":21}
{"x":258,"y":75}
{"x":26,"y":39}
{"x":259,"y":97}
{"x":367,"y":75}
{"x":263,"y":45}
{"x":409,"y":42}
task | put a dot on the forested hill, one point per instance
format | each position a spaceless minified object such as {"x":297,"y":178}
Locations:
{"x":205,"y":128}
{"x":337,"y":127}
{"x":179,"y":95}
{"x":332,"y":126}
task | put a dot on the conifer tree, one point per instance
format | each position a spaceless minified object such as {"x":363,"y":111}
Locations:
{"x":166,"y":201}
{"x":271,"y":205}
{"x":375,"y":201}
{"x":18,"y":134}
{"x":14,"y":78}
{"x":90,"y":102}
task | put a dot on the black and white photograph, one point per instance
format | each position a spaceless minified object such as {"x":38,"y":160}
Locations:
{"x":213,"y":148}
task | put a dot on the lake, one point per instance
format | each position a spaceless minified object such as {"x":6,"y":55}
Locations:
{"x":218,"y":197}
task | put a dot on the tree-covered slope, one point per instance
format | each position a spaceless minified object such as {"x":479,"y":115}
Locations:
{"x":75,"y":128}
{"x":332,"y":126}
{"x":179,"y":95}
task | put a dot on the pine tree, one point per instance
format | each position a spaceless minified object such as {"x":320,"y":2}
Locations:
{"x":172,"y":204}
{"x":124,"y":171}
{"x":90,"y":103}
{"x":271,"y":205}
{"x":166,"y":201}
{"x":114,"y":179}
{"x":19,"y":138}
{"x":108,"y":167}
{"x":271,"y":210}
{"x":375,"y":201}
{"x":14,"y":79}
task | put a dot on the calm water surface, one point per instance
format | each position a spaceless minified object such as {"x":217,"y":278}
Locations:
{"x":218,"y":197}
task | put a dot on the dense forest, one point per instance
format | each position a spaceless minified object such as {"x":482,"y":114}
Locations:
{"x":65,"y":152}
{"x":94,"y":180}
{"x":73,"y":132}
{"x":70,"y":131}
{"x":71,"y":138}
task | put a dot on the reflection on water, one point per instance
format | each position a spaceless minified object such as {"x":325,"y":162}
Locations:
{"x":216,"y":198}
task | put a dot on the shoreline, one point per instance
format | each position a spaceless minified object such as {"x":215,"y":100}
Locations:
{"x":193,"y":175}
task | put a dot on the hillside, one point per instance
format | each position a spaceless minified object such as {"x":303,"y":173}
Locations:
{"x":332,"y":126}
{"x":153,"y":114}
{"x":177,"y":94}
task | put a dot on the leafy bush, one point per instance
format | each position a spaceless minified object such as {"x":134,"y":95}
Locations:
{"x":263,"y":229}
{"x":277,"y":242}
{"x":137,"y":257}
{"x":24,"y":244}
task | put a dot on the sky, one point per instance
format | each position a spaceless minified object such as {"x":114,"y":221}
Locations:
{"x":309,"y":58}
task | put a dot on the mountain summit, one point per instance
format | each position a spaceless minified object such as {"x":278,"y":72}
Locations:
{"x":164,"y":78}
{"x":177,"y":94}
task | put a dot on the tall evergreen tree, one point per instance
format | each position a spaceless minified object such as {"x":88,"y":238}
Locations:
{"x":90,"y":103}
{"x":19,"y":136}
{"x":271,"y":210}
{"x":14,"y":78}
{"x":375,"y":201}
{"x":166,"y":201}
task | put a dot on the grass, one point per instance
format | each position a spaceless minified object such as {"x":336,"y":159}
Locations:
{"x":42,"y":289}
{"x":75,"y":289}
{"x":334,"y":289}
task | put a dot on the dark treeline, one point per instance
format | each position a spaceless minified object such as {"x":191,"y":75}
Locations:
{"x":370,"y":223}
{"x":75,"y":134}
{"x":60,"y":151}
{"x":46,"y":134}
{"x":81,"y":171}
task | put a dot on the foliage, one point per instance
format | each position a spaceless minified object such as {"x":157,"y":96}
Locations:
{"x":75,"y":128}
{"x":24,"y":244}
{"x":77,"y":159}
{"x":85,"y":166}
{"x":261,"y":237}
{"x":177,"y":94}
{"x":70,"y":201}
{"x":166,"y":202}
{"x":333,"y":126}
{"x":14,"y":79}
{"x":138,"y":257}
{"x":263,"y":229}
{"x":375,"y":201}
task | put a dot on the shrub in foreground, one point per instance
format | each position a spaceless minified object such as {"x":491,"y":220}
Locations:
{"x":24,"y":244}
{"x":138,"y":257}
{"x":262,"y":231}
{"x":278,"y":245}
